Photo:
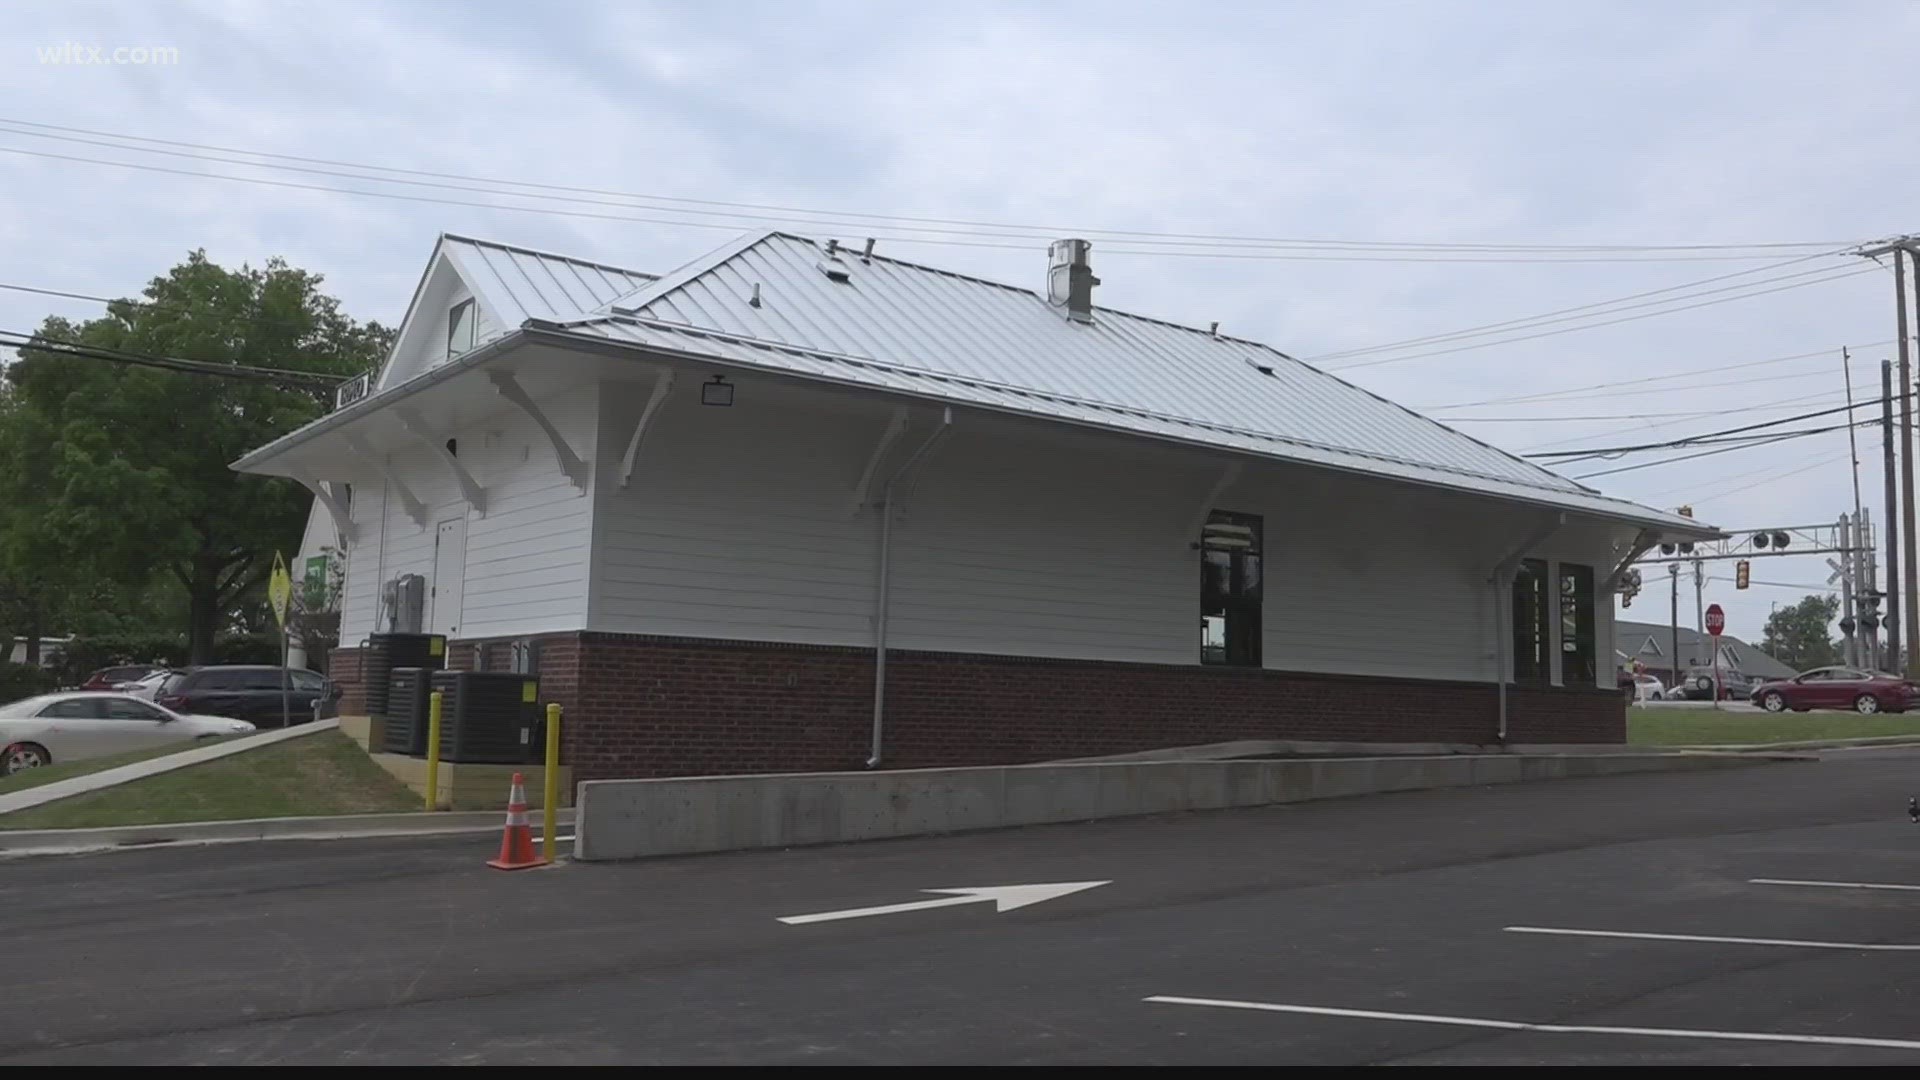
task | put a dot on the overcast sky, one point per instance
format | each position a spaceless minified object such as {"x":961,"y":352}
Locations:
{"x":1406,"y":123}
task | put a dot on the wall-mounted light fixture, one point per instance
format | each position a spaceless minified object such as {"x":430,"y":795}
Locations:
{"x":717,"y":392}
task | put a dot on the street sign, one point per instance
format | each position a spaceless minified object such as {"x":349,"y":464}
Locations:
{"x":1716,"y":620}
{"x":279,"y":589}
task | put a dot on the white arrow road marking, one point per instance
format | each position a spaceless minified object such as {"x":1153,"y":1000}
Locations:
{"x":1833,"y":884}
{"x":1857,"y":946}
{"x":1556,"y":1029}
{"x":1003,"y":898}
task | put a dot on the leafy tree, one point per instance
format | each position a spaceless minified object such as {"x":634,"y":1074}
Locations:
{"x":1797,"y":636}
{"x":137,"y":477}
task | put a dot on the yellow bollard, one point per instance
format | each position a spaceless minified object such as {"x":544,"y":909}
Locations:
{"x":550,"y":807}
{"x":433,"y":751}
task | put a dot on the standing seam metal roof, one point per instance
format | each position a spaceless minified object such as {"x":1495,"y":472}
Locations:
{"x":518,"y":283}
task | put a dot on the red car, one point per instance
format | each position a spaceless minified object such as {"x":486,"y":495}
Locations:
{"x":1837,"y":688}
{"x":109,"y":677}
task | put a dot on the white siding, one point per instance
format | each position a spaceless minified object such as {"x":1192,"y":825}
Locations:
{"x":738,"y":522}
{"x":527,"y":558}
{"x":1022,"y":538}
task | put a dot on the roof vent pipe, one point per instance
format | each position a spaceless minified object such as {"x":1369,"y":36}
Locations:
{"x":1070,"y":279}
{"x":866,"y":253}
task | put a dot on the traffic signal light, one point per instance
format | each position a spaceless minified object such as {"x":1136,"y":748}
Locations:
{"x":1740,"y":570}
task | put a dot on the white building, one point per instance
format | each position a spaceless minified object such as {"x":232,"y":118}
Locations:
{"x":1106,"y":532}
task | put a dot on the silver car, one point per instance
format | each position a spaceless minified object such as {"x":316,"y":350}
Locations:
{"x":72,"y":726}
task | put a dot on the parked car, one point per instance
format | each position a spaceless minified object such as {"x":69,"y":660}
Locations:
{"x":82,"y":724}
{"x":1837,"y":688}
{"x":247,"y":692}
{"x":109,"y":677}
{"x":145,"y":688}
{"x":1697,"y":685}
{"x":1648,"y":688}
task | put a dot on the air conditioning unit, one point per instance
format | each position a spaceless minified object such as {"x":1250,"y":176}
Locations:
{"x":487,"y":716}
{"x":384,"y":653}
{"x":403,"y":602}
{"x":404,"y":730}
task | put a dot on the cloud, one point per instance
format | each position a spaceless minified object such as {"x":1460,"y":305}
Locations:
{"x":1636,"y":122}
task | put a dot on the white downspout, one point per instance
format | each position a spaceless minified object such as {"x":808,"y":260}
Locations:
{"x":885,"y":580}
{"x":1502,"y":579}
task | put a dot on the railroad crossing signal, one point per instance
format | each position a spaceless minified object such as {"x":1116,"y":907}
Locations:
{"x":1741,"y":570}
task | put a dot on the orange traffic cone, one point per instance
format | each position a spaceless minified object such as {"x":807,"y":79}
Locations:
{"x":516,"y":844}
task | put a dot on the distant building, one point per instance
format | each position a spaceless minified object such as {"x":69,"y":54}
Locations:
{"x":1652,"y":645}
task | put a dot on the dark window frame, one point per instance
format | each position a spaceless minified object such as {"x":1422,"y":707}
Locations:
{"x":1232,"y":588}
{"x":1531,"y":632}
{"x":1579,"y":639}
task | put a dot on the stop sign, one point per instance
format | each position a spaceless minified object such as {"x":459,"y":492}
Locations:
{"x":1716,"y":620}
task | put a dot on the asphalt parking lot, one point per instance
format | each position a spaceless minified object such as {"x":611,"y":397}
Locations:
{"x":1627,"y":920}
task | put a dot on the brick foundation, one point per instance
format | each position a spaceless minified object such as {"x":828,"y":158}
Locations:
{"x":642,"y":706}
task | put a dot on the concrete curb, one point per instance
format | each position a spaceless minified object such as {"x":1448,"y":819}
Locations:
{"x":1805,"y":744}
{"x":627,"y":819}
{"x":341,"y":827}
{"x":140,"y":770}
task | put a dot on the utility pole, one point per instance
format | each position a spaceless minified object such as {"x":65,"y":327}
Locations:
{"x":1700,"y":608}
{"x":1853,"y":441}
{"x":1673,"y":573}
{"x":1849,"y":626}
{"x":1901,"y":248}
{"x":1891,"y":620}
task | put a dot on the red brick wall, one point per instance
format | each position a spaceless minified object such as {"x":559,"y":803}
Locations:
{"x":639,"y":706}
{"x":343,"y":667}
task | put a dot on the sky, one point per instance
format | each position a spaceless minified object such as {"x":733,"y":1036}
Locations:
{"x":1455,"y":165}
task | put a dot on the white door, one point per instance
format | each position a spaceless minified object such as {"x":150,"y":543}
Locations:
{"x":449,"y":577}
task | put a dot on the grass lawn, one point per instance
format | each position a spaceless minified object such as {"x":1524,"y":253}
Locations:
{"x":319,"y":774}
{"x":1700,"y":727}
{"x":66,"y":770}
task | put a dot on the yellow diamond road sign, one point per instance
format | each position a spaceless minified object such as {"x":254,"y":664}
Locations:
{"x":279,"y":589}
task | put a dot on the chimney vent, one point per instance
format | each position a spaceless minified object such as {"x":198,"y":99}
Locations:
{"x":1070,"y":279}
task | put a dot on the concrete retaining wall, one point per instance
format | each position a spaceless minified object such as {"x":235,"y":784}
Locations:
{"x":625,"y":819}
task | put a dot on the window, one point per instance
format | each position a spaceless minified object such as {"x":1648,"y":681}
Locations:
{"x":460,"y":330}
{"x":1230,"y":590}
{"x":73,"y":709}
{"x":219,"y":679}
{"x":308,"y":682}
{"x":262,"y":679}
{"x":132,"y":709}
{"x":1576,"y":626}
{"x":1531,"y":661}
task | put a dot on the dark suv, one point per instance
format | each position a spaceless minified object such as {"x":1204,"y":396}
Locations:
{"x":247,"y":692}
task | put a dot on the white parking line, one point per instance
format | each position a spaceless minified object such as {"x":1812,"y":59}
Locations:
{"x":1833,"y":884}
{"x":1855,"y":946}
{"x":1556,"y":1029}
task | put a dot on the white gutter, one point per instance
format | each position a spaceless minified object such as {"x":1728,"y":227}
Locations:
{"x":1502,"y":580}
{"x":885,"y":580}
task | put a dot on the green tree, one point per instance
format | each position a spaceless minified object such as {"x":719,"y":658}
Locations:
{"x":137,"y":479}
{"x":1797,"y":635}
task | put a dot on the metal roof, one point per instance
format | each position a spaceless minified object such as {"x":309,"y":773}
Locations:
{"x":519,"y":283}
{"x":901,"y":326}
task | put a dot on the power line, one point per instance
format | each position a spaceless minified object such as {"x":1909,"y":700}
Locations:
{"x":67,"y":133}
{"x":1820,"y":464}
{"x":1615,"y":384}
{"x":1215,"y":251}
{"x":1798,"y":401}
{"x":1526,"y":320}
{"x":304,"y":379}
{"x":156,"y":305}
{"x":1710,"y":436}
{"x":1831,"y":276}
{"x":1689,"y":457}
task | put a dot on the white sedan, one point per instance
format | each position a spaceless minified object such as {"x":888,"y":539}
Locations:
{"x":68,"y":727}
